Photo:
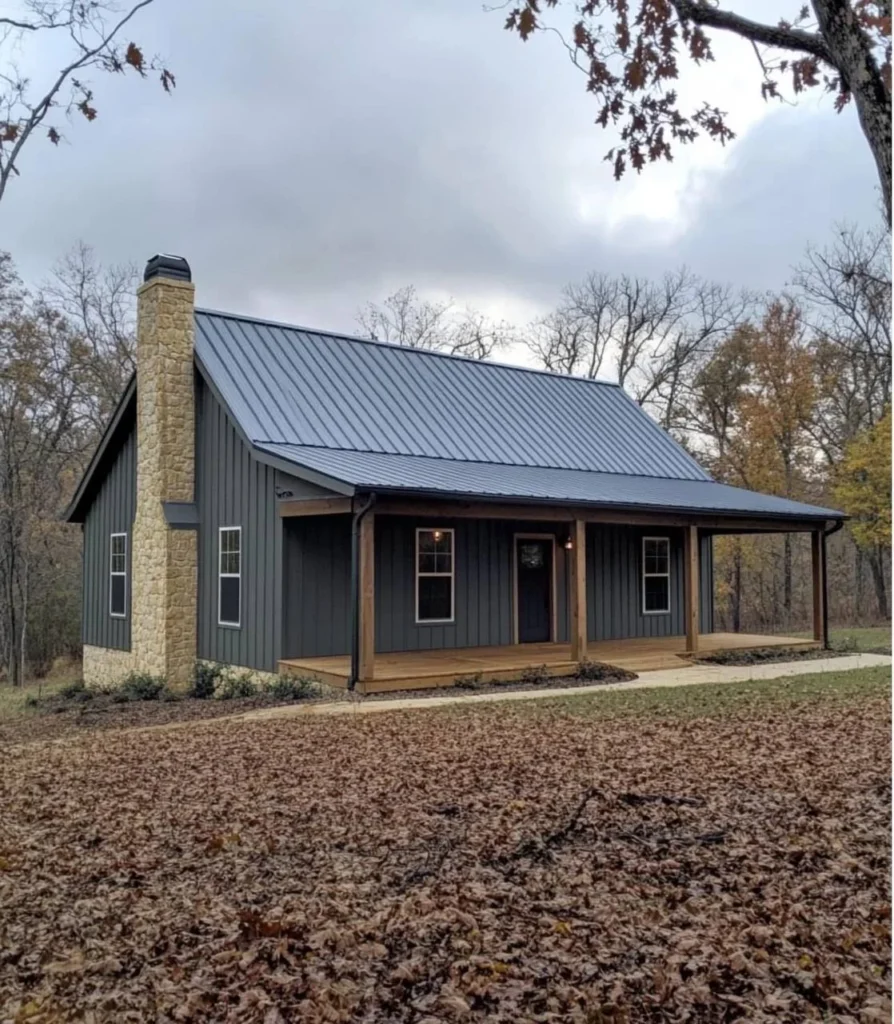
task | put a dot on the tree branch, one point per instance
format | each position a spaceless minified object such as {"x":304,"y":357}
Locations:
{"x":698,"y":12}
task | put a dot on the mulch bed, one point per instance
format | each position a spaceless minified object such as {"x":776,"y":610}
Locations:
{"x":56,"y":717}
{"x":766,"y":655}
{"x":608,"y":674}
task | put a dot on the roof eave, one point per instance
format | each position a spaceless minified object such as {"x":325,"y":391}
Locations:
{"x":819,"y":517}
{"x":73,"y":513}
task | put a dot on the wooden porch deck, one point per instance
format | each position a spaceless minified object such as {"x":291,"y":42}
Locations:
{"x":408,"y":670}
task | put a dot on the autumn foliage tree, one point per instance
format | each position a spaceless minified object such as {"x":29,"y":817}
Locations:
{"x":632,"y":53}
{"x":92,"y":30}
{"x":863,"y":488}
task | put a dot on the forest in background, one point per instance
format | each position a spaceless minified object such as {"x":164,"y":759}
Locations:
{"x":787,"y":393}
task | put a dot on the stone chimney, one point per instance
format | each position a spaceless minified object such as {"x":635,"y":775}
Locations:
{"x":164,"y":560}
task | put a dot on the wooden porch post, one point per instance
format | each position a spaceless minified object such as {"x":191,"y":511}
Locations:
{"x":691,"y":602}
{"x":367,"y":583}
{"x":579,"y":590}
{"x":816,"y":550}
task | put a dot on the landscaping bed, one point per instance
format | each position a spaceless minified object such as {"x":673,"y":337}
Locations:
{"x":592,"y":673}
{"x":767,"y":655}
{"x":75,"y":709}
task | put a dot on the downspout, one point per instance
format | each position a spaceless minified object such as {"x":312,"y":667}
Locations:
{"x":827,"y":533}
{"x":355,"y":586}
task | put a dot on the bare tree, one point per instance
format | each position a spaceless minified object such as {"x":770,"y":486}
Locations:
{"x":653,"y":337}
{"x":91,"y":29}
{"x":845,"y":293}
{"x":98,"y":304}
{"x":404,"y":318}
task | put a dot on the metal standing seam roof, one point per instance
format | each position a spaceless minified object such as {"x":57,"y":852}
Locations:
{"x":371,"y":470}
{"x":288,"y":385}
{"x":375,"y":415}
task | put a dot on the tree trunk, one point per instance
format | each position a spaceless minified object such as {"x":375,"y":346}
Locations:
{"x":851,"y":51}
{"x":858,"y":584}
{"x":787,"y":580}
{"x":736,"y":591}
{"x":24,"y":640}
{"x":877,"y":560}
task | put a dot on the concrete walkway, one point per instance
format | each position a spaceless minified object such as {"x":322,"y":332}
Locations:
{"x":690,"y":675}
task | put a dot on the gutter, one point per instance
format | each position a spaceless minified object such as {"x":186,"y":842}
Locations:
{"x":359,"y":515}
{"x":825,"y":534}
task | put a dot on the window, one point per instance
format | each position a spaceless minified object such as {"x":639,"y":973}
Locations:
{"x":229,"y":583}
{"x":656,"y":575}
{"x":434,"y":575}
{"x":118,"y":575}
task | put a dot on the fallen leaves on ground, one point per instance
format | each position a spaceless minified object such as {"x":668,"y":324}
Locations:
{"x":508,"y":864}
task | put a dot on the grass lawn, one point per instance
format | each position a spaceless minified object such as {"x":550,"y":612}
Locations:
{"x":863,"y":638}
{"x":709,"y":853}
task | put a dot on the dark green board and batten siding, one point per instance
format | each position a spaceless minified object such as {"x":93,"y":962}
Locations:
{"x":316,"y":585}
{"x":112,"y":511}
{"x":615,"y":585}
{"x":234,"y":489}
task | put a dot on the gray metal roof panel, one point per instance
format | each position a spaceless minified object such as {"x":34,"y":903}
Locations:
{"x":293,"y":386}
{"x":372,"y":471}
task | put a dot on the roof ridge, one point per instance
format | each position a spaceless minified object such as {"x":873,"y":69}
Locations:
{"x":342,"y":336}
{"x":483,"y":462}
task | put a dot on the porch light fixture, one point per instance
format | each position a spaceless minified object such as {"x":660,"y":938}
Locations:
{"x":569,"y":543}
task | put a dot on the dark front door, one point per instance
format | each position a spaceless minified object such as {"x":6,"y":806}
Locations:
{"x":534,"y":574}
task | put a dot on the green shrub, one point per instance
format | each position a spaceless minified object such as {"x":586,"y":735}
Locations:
{"x":291,"y":687}
{"x":844,"y":644}
{"x":599,"y":672}
{"x":142,"y":686}
{"x":205,"y":680}
{"x":170,"y":696}
{"x":234,"y":687}
{"x":472,"y":682}
{"x":536,"y":674}
{"x":32,"y":700}
{"x":71,"y":690}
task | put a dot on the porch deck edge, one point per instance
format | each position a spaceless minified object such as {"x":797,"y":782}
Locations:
{"x":637,"y":658}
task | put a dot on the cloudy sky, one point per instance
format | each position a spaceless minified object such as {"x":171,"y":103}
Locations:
{"x":320,"y":154}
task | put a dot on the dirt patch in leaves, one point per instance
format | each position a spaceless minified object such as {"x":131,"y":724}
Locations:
{"x":502,"y":863}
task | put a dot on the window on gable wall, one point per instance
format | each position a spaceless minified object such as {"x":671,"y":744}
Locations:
{"x":229,"y":582}
{"x":118,"y":575}
{"x":656,"y":575}
{"x":434,"y":575}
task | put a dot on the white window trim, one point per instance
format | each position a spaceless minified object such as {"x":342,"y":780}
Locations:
{"x":451,"y":574}
{"x":117,"y":615}
{"x":654,"y":575}
{"x":221,"y":530}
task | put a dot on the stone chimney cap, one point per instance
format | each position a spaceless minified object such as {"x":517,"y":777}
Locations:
{"x":165,"y":265}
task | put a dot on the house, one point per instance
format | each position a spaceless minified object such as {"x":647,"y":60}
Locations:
{"x":279,"y":498}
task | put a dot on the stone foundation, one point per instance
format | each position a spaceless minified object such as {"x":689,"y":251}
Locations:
{"x":106,"y":667}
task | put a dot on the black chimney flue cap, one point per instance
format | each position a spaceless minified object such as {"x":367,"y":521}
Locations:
{"x":165,"y":265}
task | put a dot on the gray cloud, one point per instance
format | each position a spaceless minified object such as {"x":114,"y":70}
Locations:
{"x":317,"y":155}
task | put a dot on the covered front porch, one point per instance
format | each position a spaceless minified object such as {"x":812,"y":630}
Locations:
{"x":595,"y":577}
{"x":426,"y":669}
